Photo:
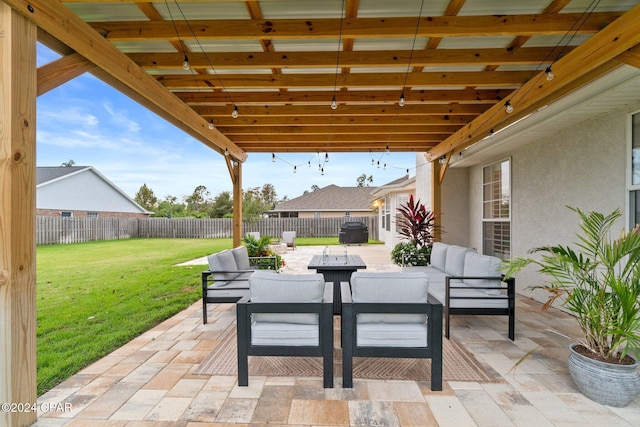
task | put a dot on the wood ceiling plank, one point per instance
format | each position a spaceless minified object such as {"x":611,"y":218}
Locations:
{"x":381,"y":80}
{"x":383,"y":58}
{"x":613,"y":40}
{"x":67,"y":27}
{"x":62,"y":70}
{"x":432,"y":26}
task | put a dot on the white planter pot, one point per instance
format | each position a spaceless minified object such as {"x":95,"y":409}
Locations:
{"x":606,"y":383}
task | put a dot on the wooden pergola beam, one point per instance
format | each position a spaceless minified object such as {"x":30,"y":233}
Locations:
{"x":431,"y":26}
{"x":67,"y":27}
{"x":610,"y":42}
{"x":62,"y":70}
{"x":631,"y":57}
{"x":328,"y":81}
{"x":257,"y":122}
{"x":351,"y":111}
{"x":341,"y":130}
{"x":384,"y":58}
{"x":311,"y":97}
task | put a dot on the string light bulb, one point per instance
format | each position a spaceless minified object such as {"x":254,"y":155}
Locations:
{"x":386,"y":149}
{"x":226,"y":152}
{"x":401,"y":102}
{"x":384,"y":166}
{"x":211,"y":125}
{"x":295,"y":168}
{"x":508,"y":107}
{"x":234,"y":113}
{"x":334,"y":103}
{"x":326,"y":157}
{"x":185,"y":63}
{"x":550,"y":75}
{"x":309,"y":162}
{"x":442,"y":160}
{"x":273,"y":157}
{"x":373,"y":162}
{"x":321,"y":171}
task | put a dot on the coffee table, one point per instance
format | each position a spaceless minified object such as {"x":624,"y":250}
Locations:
{"x":336,"y":269}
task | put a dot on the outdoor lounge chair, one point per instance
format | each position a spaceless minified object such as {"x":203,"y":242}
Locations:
{"x":227,"y":279}
{"x":390,"y":315}
{"x":286,"y":315}
{"x":289,"y":237}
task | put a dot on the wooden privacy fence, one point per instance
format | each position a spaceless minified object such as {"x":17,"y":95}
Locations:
{"x":58,"y":230}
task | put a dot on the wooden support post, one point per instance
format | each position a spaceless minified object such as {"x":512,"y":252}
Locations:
{"x":235,"y":170}
{"x":18,"y":382}
{"x":436,"y":202}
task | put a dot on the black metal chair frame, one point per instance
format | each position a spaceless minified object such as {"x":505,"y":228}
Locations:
{"x":433,"y":350}
{"x":233,"y":292}
{"x":510,"y":310}
{"x":245,"y":308}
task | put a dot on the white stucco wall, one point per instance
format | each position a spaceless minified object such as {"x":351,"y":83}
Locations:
{"x":584,"y":166}
{"x":454,"y":203}
{"x":83,"y":191}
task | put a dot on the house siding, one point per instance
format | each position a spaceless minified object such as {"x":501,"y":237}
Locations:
{"x":84,"y":214}
{"x":84,"y":191}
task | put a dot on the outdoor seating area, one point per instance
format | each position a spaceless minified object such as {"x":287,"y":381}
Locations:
{"x":466,"y":282}
{"x":184,"y":372}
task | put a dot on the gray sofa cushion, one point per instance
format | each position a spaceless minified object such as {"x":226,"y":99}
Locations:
{"x":283,"y":333}
{"x":391,"y":335}
{"x":407,"y":287}
{"x":454,"y":265}
{"x":439,"y":255}
{"x":267,"y":286}
{"x":241,"y":256}
{"x":222,"y":261}
{"x":482,"y":266}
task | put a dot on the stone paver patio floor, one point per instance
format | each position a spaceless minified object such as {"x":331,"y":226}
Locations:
{"x":150,"y":381}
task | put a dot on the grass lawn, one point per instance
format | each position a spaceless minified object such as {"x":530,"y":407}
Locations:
{"x":94,"y":297}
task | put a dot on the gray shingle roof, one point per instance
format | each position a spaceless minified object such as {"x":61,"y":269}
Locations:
{"x":49,"y":173}
{"x":330,"y":198}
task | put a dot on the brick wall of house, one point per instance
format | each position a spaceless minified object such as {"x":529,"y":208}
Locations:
{"x":84,"y":214}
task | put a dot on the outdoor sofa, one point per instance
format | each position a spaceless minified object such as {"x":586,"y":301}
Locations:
{"x":227,"y":279}
{"x":469,"y":283}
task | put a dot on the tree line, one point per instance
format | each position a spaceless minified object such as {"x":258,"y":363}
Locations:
{"x":199,"y":204}
{"x":255,"y":201}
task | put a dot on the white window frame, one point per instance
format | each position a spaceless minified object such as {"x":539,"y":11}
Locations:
{"x":633,"y":190}
{"x":506,"y":219}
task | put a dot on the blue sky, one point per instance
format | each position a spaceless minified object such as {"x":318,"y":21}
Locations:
{"x":89,"y":122}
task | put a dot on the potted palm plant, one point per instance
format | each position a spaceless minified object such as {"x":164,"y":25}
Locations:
{"x":598,"y":280}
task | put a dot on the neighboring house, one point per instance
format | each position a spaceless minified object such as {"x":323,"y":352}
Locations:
{"x":327,"y":202}
{"x":509,"y":193}
{"x":387,"y":198}
{"x":82,"y":191}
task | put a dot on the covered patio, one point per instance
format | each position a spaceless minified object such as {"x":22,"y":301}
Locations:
{"x":154,"y":380}
{"x":244,"y":76}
